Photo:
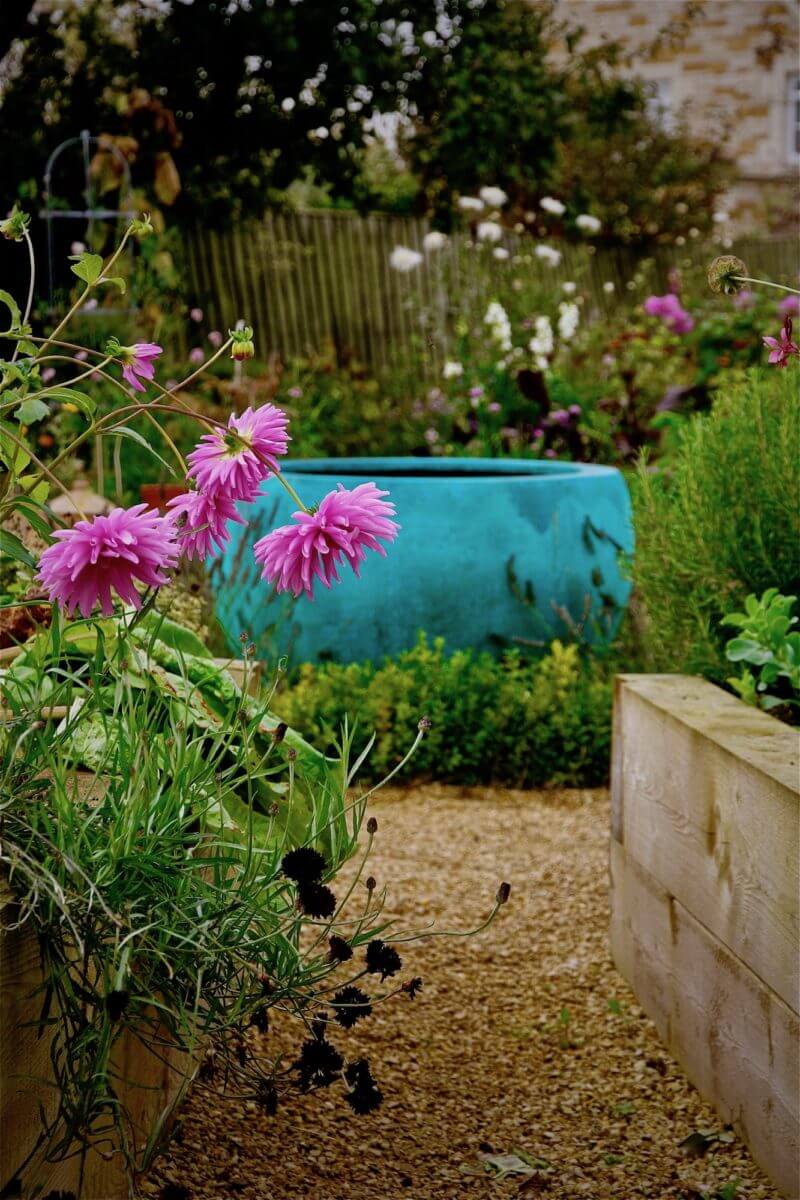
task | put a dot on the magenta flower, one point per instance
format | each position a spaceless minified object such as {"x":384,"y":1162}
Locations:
{"x":669,"y":309}
{"x":789,"y":306}
{"x":111,"y":551}
{"x":782,"y":348}
{"x":196,"y":356}
{"x":204,"y":530}
{"x":138,"y":363}
{"x":346,"y":524}
{"x":237,"y":462}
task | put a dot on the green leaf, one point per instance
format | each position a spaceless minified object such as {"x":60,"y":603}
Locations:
{"x":63,"y":395}
{"x":117,"y":280}
{"x":14,"y":455}
{"x":126,"y":431}
{"x":87,"y":266}
{"x":31,"y":410}
{"x":11,"y":545}
{"x":12,"y":306}
{"x":34,"y":514}
{"x":35,"y":488}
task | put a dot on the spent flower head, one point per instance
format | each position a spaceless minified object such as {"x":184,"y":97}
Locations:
{"x":15,"y":226}
{"x":242,"y":346}
{"x":723,"y":272}
{"x":141,"y":227}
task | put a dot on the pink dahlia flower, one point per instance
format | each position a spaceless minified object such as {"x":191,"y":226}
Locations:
{"x":138,"y":364}
{"x":345,"y":526}
{"x":237,"y":465}
{"x":111,"y":551}
{"x":782,"y":348}
{"x":205,"y":528}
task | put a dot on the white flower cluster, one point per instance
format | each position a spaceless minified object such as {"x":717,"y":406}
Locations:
{"x":499,"y":326}
{"x":553,"y":206}
{"x":568,"y":320}
{"x":434,"y":240}
{"x":403,"y":258}
{"x":588,"y":224}
{"x":452,"y":370}
{"x":470,"y":204}
{"x":493,"y":197}
{"x":542,"y":342}
{"x":489,"y":231}
{"x":549,"y":255}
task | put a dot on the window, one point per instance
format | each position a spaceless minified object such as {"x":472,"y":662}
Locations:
{"x":793,"y":116}
{"x":659,"y":103}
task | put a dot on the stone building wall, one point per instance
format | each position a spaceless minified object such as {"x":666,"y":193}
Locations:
{"x":732,"y":64}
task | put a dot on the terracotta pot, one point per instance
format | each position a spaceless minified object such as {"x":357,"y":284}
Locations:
{"x":156,"y":495}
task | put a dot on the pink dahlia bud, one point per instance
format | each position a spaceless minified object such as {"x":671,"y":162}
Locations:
{"x":243,"y":346}
{"x":202,"y":522}
{"x":237,"y":460}
{"x":346,"y":524}
{"x":113,"y":551}
{"x":138,"y":361}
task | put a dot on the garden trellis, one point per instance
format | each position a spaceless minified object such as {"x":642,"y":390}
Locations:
{"x":306,"y":278}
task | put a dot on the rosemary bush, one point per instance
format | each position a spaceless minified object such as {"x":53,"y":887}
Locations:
{"x":721,"y":523}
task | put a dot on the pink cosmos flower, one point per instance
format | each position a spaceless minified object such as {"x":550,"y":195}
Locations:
{"x":138,"y":363}
{"x":196,"y":314}
{"x":782,"y":348}
{"x":107,"y":552}
{"x":205,"y":529}
{"x":222,"y":463}
{"x":789,"y":306}
{"x":346,"y":524}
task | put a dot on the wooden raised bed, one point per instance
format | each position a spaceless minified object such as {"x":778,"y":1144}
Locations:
{"x":705,"y":891}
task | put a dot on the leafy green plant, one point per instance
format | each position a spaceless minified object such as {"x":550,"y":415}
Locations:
{"x":721,"y":522}
{"x":517,"y":721}
{"x":769,"y":648}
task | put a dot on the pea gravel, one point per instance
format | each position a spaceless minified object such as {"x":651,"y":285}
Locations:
{"x":524,"y":1038}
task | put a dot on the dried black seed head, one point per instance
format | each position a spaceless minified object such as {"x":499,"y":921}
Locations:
{"x":303,"y":865}
{"x":279,"y":732}
{"x":503,"y":892}
{"x":316,"y":900}
{"x":372,"y":883}
{"x":267,"y":1096}
{"x":319,"y":1025}
{"x":350,"y":1004}
{"x":291,"y":754}
{"x":372,"y":825}
{"x":260,"y":1018}
{"x":319,"y":1063}
{"x":365,"y":1095}
{"x":412,"y":986}
{"x":382,"y":960}
{"x":116,"y":1003}
{"x":174,"y":1191}
{"x":424,"y":724}
{"x":267,"y":986}
{"x":340,"y":950}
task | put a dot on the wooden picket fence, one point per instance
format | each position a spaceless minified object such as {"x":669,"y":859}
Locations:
{"x":310,"y":278}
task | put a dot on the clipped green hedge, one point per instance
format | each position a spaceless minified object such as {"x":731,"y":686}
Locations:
{"x":721,"y":521}
{"x":517,"y":722}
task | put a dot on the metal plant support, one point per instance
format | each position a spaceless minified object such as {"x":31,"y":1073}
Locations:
{"x":89,"y":214}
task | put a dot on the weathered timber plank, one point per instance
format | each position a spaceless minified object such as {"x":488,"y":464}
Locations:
{"x":706,"y":797}
{"x":736,"y":1040}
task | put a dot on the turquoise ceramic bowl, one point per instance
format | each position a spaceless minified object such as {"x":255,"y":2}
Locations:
{"x":490,"y":551}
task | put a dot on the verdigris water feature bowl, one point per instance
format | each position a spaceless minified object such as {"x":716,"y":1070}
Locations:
{"x":490,"y":551}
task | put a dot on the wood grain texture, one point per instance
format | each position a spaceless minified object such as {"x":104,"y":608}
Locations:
{"x":706,"y":797}
{"x":735,"y":1038}
{"x":147,"y":1082}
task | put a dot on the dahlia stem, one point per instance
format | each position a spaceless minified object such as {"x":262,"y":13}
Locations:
{"x":29,"y":304}
{"x":107,"y":267}
{"x":285,"y":483}
{"x":765,"y":283}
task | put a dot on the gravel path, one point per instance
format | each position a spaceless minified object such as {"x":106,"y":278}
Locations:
{"x":524,"y":1039}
